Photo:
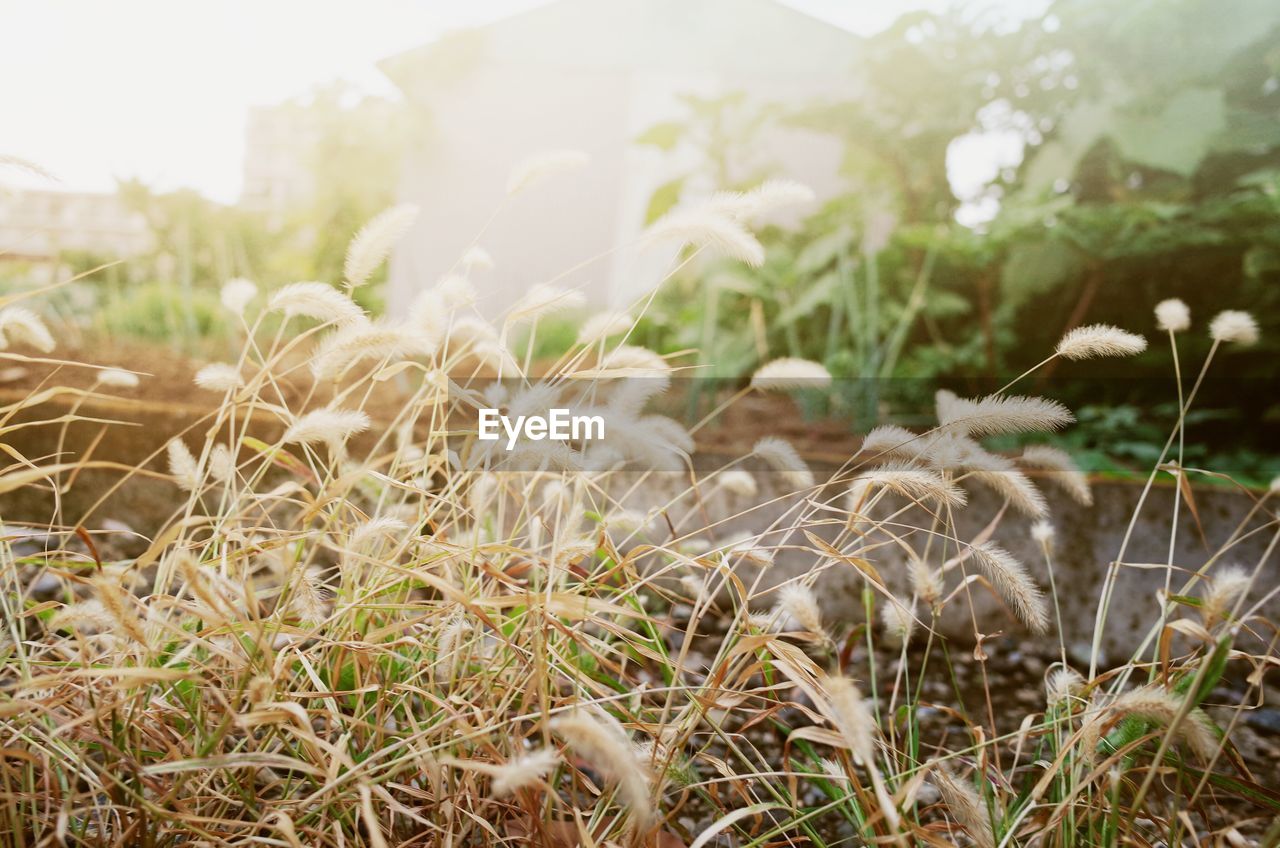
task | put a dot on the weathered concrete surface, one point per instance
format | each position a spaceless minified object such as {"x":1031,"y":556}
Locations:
{"x":1088,"y":539}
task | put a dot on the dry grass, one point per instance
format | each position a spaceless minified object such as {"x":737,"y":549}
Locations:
{"x":392,"y":640}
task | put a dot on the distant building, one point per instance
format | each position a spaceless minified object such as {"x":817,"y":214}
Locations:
{"x":278,"y":168}
{"x":41,"y":226}
{"x":592,"y":75}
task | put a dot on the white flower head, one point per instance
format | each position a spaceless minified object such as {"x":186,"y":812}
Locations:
{"x":790,"y":373}
{"x":1173,"y":315}
{"x":19,"y":324}
{"x":1099,"y":340}
{"x":237,"y":294}
{"x":373,"y":243}
{"x":320,"y":301}
{"x":331,"y":426}
{"x":1235,"y":327}
{"x":541,"y":166}
{"x":219,"y":377}
{"x":117,"y":378}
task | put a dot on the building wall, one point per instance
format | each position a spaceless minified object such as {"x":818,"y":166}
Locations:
{"x":500,"y":115}
{"x":593,"y":76}
{"x":277,"y":173}
{"x":458,"y":177}
{"x":39,"y":225}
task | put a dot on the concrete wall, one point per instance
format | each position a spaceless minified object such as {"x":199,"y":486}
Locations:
{"x":593,"y":76}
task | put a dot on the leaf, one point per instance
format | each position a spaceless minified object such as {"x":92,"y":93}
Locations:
{"x":1034,"y":269}
{"x":1184,"y":485}
{"x":867,"y":569}
{"x":664,"y":136}
{"x":1178,"y":137}
{"x":723,"y":822}
{"x":664,"y":198}
{"x":1059,"y":158}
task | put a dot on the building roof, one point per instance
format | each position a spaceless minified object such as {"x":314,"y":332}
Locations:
{"x":731,"y":37}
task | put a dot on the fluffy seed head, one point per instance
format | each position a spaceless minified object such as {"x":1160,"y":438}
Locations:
{"x":88,"y":614}
{"x":1234,"y":326}
{"x":790,"y":373}
{"x":19,"y":324}
{"x":764,"y":198}
{"x":605,"y":746}
{"x":1173,"y":315}
{"x":799,"y":607}
{"x":330,"y":426}
{"x":1063,"y":471}
{"x":738,"y":482}
{"x":237,"y":294}
{"x":1012,"y":583}
{"x":706,"y":228}
{"x":916,"y":483}
{"x":997,"y":414}
{"x":1042,"y":531}
{"x":891,"y":440}
{"x":320,"y":301}
{"x":926,"y":582}
{"x":1225,"y":588}
{"x":852,"y":717}
{"x":943,"y":400}
{"x":456,"y":291}
{"x":118,"y":605}
{"x":1099,"y":340}
{"x":222,"y":463}
{"x":476,"y":259}
{"x":1062,"y":685}
{"x":522,"y":771}
{"x":117,"y":378}
{"x":373,"y":243}
{"x":779,"y":455}
{"x":219,"y":377}
{"x":542,"y":300}
{"x":633,"y":361}
{"x":308,"y":596}
{"x":1158,"y":705}
{"x":999,"y":475}
{"x":541,"y":166}
{"x":375,"y":530}
{"x":965,"y":805}
{"x":360,"y":341}
{"x":899,"y":621}
{"x":604,"y":325}
{"x":183,"y":466}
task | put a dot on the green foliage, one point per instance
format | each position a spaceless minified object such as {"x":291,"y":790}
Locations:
{"x":1151,"y":169}
{"x":161,"y":312}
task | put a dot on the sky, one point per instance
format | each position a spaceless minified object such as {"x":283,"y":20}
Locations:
{"x":160,"y":90}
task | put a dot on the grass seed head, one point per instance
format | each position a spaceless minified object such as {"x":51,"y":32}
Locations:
{"x":1173,"y":315}
{"x":22,"y":326}
{"x":319,"y":301}
{"x":373,"y":243}
{"x":790,"y":373}
{"x":606,"y":748}
{"x":996,"y":414}
{"x":237,"y":294}
{"x":779,"y":455}
{"x":1012,"y":583}
{"x":1099,"y":340}
{"x":1234,"y":327}
{"x":219,"y":377}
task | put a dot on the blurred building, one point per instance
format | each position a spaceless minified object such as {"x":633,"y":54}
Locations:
{"x":278,"y":170}
{"x":39,"y":227}
{"x":594,"y":75}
